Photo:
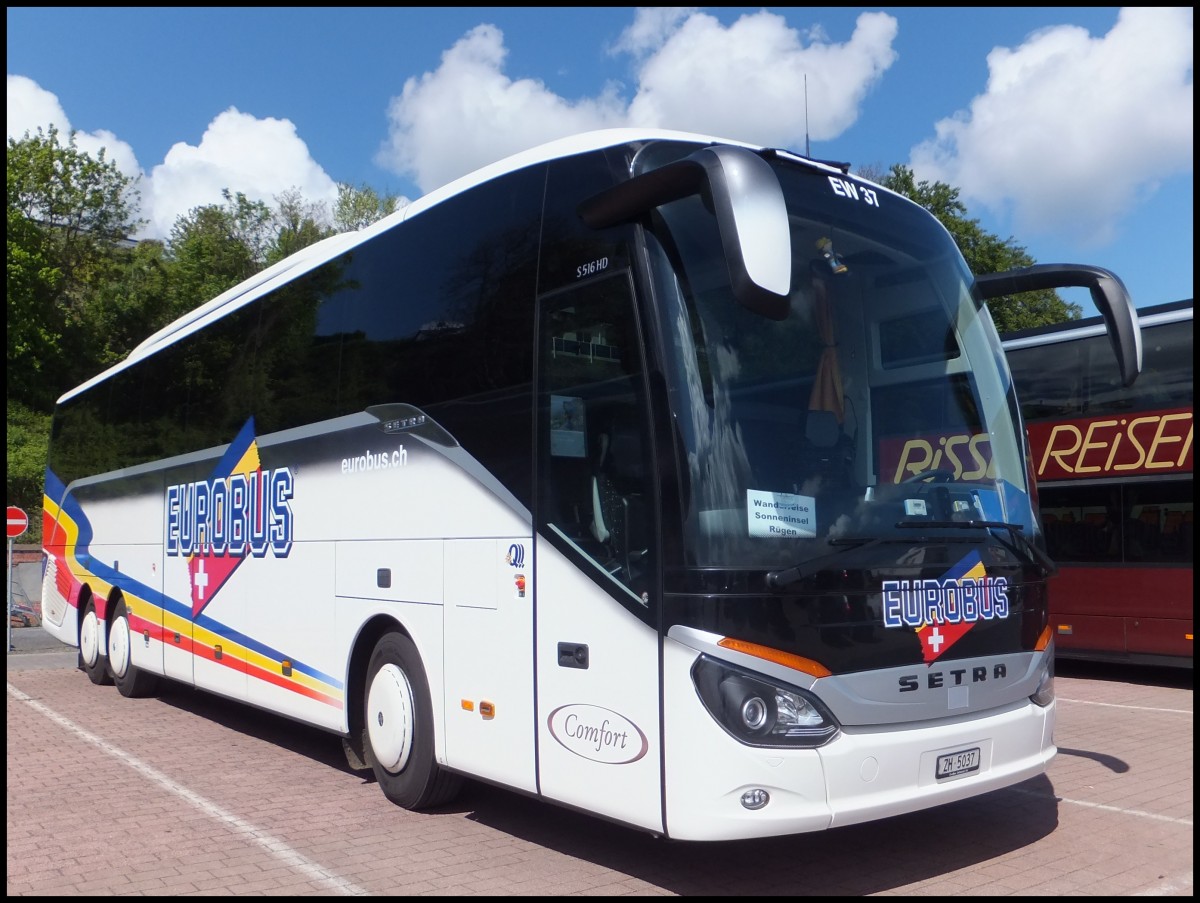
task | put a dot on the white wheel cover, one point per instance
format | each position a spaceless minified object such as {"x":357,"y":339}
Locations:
{"x":118,"y":647}
{"x":89,"y":638}
{"x":390,"y":718}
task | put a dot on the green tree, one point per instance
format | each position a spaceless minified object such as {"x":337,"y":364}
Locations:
{"x":297,"y":223}
{"x":28,"y":440}
{"x":214,"y":247}
{"x":357,"y":208}
{"x":68,"y":216}
{"x":134,"y":302}
{"x":983,"y":251}
{"x":34,"y":322}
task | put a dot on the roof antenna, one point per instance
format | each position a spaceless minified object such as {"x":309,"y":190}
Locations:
{"x":807,"y":151}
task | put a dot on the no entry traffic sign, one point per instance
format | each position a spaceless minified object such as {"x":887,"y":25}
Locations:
{"x":18,"y":521}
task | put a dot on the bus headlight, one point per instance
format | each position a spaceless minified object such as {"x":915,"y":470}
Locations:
{"x":760,"y":712}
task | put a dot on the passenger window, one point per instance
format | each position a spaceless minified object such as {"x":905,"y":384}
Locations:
{"x":594,"y":477}
{"x":1145,"y":522}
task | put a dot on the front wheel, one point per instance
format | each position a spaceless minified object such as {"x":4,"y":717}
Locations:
{"x":398,"y":718}
{"x":131,"y":680}
{"x":91,"y":662}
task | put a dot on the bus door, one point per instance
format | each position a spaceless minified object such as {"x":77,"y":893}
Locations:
{"x":597,"y":657}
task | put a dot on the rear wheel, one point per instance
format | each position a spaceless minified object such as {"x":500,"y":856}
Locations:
{"x":399,"y":728}
{"x":131,"y":680}
{"x":91,"y":662}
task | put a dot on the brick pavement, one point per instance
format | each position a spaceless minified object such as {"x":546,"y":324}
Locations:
{"x":180,"y":795}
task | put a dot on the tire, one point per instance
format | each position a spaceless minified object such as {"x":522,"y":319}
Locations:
{"x":398,"y":732}
{"x":131,"y":680}
{"x":91,"y":661}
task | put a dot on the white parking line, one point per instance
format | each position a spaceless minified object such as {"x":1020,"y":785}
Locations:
{"x":1169,"y":889}
{"x":1136,"y":708}
{"x":1139,"y":813}
{"x":273,"y":845}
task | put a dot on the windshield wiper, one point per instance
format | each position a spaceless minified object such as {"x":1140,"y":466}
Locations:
{"x":1033,"y":554}
{"x":788,"y":576}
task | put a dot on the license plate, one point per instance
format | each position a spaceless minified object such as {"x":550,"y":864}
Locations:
{"x":962,"y":762}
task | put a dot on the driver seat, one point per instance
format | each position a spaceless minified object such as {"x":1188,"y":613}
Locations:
{"x":618,"y":517}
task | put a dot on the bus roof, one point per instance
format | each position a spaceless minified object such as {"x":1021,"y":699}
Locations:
{"x":1092,"y":326}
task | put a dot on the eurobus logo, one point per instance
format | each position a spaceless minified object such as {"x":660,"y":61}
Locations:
{"x":943,"y":610}
{"x":241,"y":510}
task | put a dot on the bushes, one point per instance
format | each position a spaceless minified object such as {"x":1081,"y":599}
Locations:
{"x":28,"y":441}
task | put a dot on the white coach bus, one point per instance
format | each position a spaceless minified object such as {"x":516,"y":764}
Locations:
{"x":668,"y":478}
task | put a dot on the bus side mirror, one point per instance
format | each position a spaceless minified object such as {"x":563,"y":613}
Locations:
{"x":1108,"y":294}
{"x":750,"y":210}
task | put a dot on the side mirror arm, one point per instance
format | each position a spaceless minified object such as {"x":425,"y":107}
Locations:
{"x":1108,"y":294}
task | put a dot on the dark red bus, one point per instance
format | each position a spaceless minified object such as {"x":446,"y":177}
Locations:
{"x":1114,"y":476}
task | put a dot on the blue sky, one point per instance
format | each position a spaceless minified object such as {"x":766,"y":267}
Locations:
{"x":1066,"y":129}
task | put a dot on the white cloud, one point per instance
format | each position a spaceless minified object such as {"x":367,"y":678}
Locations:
{"x":30,"y":107}
{"x":693,"y":74}
{"x":652,"y":26}
{"x":1073,"y":131}
{"x":261,"y":158}
{"x":468,"y":113}
{"x":701,"y":77}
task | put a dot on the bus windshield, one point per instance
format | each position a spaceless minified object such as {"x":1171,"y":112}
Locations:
{"x":881,"y":401}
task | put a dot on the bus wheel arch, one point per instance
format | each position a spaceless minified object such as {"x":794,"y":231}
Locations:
{"x":93,"y":658}
{"x":131,"y":681}
{"x":398,"y":726}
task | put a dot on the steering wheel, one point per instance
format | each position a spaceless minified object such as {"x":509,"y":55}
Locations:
{"x":930,"y":476}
